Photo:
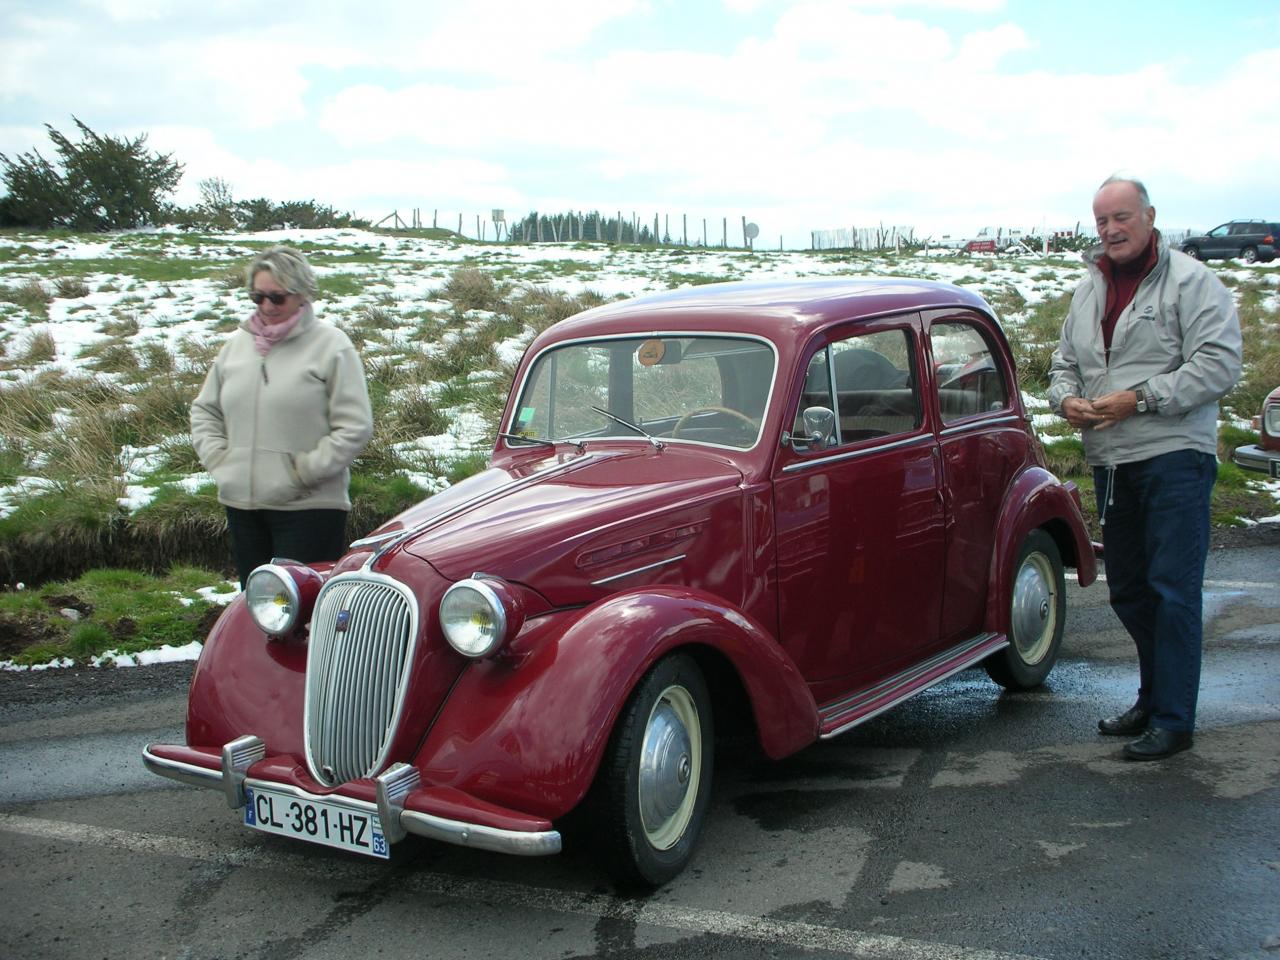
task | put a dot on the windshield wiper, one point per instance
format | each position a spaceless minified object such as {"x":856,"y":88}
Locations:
{"x":577,"y":444}
{"x":657,"y":444}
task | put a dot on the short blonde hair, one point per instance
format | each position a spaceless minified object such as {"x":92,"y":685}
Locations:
{"x":290,"y":269}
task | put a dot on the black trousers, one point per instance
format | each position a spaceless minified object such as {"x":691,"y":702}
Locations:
{"x":258,"y":536}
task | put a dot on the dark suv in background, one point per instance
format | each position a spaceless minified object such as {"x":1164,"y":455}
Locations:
{"x":1250,"y":240}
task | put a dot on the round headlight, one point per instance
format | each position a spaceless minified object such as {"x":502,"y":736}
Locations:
{"x":272,"y":597}
{"x":477,"y":616}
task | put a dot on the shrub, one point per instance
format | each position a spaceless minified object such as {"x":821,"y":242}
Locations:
{"x":472,"y":289}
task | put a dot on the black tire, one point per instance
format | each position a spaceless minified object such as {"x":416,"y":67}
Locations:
{"x":1192,"y":252}
{"x":650,"y":797}
{"x":1249,"y":254}
{"x":1037,"y":615}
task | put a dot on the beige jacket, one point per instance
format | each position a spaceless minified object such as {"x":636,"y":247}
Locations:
{"x":279,"y":432}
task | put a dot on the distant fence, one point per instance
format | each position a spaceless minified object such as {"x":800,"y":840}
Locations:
{"x":583,"y":227}
{"x":862,"y":238}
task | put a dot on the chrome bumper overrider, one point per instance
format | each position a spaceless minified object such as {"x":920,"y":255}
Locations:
{"x":393,"y":787}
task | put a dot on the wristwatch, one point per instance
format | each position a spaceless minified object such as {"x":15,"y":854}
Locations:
{"x":1145,"y":404}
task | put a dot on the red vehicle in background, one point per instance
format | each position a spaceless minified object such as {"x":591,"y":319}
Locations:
{"x":779,"y":508}
{"x":1263,"y":456}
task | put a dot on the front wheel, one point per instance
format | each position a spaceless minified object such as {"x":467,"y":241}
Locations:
{"x":650,"y":796}
{"x":1037,"y":614}
{"x":1192,"y":252}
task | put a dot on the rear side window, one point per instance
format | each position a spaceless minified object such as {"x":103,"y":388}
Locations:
{"x":970,"y":380}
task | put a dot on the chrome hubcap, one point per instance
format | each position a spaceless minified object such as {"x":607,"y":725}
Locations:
{"x":1034,"y":610}
{"x":670,"y":767}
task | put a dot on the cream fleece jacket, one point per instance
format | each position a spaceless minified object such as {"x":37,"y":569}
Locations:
{"x":279,"y":432}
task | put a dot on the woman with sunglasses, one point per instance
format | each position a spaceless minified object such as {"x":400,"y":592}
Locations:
{"x":282,"y":414}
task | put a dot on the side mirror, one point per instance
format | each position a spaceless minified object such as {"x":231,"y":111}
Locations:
{"x":819,"y":428}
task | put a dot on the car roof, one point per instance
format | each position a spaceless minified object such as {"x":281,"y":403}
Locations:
{"x":776,"y":310}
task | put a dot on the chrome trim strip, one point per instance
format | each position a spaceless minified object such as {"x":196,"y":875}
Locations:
{"x":186,"y":773}
{"x":976,"y":424}
{"x":861,"y":452}
{"x":644,"y":569}
{"x":901,"y":681}
{"x":400,"y":536}
{"x":480,"y":837}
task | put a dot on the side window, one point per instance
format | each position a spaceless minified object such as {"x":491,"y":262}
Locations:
{"x":875,"y":393}
{"x":970,"y":380}
{"x":1220,"y":231}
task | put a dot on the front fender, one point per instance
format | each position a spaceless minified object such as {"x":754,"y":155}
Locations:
{"x":1037,"y":499}
{"x":528,"y":730}
{"x":245,"y":684}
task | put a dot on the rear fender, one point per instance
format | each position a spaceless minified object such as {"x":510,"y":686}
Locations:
{"x":1037,"y":499}
{"x":527,"y":730}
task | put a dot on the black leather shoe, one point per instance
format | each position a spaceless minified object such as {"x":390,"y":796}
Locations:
{"x":1128,"y":724}
{"x":1157,"y":743}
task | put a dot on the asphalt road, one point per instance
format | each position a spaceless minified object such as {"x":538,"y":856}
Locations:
{"x":965,"y":823}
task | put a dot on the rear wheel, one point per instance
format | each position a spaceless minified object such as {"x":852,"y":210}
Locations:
{"x":1192,"y":252}
{"x":1037,"y":614}
{"x":650,"y":796}
{"x":1249,"y":254}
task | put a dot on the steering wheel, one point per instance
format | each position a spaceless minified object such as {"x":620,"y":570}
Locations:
{"x":733,"y":414}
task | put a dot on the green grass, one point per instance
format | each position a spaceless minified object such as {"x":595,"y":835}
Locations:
{"x":105,"y":610}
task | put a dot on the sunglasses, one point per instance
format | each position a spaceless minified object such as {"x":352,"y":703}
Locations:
{"x":257,"y":296}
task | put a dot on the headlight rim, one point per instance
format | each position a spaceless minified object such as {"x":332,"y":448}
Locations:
{"x":281,"y":573}
{"x":503,"y":604}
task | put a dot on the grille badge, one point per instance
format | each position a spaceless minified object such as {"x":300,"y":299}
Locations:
{"x":342,"y":621}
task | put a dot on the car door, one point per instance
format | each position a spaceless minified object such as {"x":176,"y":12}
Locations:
{"x":984,"y":444}
{"x":859,"y":521}
{"x":1218,"y":242}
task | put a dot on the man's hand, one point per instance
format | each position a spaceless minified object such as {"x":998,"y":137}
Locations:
{"x":1080,"y":414}
{"x":1113,"y":407}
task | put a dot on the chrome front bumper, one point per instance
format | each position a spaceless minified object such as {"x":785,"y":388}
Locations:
{"x":397,"y":790}
{"x":1253,"y":457}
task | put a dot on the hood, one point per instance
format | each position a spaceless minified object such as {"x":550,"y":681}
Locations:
{"x":561,"y":524}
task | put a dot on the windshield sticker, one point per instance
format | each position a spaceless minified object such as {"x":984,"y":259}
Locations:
{"x":651,"y":352}
{"x":525,"y":416}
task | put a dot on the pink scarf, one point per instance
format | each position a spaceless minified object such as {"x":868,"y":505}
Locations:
{"x":267,"y":335}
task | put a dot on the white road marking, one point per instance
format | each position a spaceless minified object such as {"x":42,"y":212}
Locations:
{"x":809,"y":936}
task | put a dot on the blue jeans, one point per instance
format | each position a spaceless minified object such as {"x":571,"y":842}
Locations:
{"x":1155,"y":538}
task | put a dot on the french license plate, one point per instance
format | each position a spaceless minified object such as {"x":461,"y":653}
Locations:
{"x":318,"y":821}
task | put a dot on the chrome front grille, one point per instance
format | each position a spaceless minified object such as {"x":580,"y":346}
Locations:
{"x":363,"y":633}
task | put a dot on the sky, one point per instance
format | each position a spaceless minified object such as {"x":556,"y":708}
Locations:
{"x":939,"y":115}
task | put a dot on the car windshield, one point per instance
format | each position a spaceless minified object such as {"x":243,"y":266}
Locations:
{"x":695,"y":388}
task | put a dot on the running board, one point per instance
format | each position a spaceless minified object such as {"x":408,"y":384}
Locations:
{"x":847,"y":712}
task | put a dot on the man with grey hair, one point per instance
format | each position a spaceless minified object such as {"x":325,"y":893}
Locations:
{"x":1150,"y":344}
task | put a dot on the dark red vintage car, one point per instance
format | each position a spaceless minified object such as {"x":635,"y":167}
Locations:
{"x":773,"y":508}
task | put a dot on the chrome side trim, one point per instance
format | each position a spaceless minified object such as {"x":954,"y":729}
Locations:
{"x":899,"y":686}
{"x":186,"y":773}
{"x":921,"y":440}
{"x":515,"y":842}
{"x":393,"y":785}
{"x":401,"y":535}
{"x":979,"y":424}
{"x":237,"y":757}
{"x":644,"y":569}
